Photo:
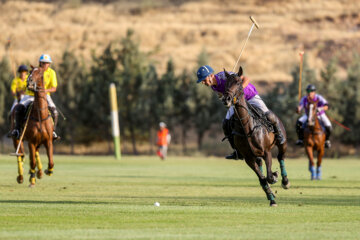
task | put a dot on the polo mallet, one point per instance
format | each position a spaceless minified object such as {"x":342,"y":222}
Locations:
{"x":300,"y":72}
{"x":22,"y":136}
{"x":248,"y":36}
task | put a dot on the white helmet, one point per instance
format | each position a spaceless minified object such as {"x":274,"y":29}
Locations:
{"x":45,"y":58}
{"x":162,"y":124}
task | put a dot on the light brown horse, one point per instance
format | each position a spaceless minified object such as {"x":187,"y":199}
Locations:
{"x":38,"y":130}
{"x":314,"y":139}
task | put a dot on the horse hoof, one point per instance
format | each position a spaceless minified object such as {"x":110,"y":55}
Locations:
{"x":49,"y":173}
{"x":20,"y":179}
{"x":285,"y":185}
{"x":39,"y":174}
{"x":273,"y":203}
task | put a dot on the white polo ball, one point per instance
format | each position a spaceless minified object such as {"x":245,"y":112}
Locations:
{"x":157,"y":204}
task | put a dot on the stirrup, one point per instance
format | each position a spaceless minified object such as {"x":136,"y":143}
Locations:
{"x":327,"y":144}
{"x":55,"y":136}
{"x":15,"y":133}
{"x":299,"y":142}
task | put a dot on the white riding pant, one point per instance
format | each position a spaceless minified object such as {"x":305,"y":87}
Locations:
{"x":323,"y":118}
{"x":27,"y":99}
{"x":16,"y":102}
{"x":255,"y":101}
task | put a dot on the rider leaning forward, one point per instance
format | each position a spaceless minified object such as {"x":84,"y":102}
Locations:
{"x":50,"y":84}
{"x":322,"y":106}
{"x":217,"y":82}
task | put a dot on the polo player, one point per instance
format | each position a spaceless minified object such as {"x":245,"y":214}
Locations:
{"x":322,"y":106}
{"x":217,"y":83}
{"x":50,"y":84}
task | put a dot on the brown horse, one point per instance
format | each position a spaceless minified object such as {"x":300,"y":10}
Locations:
{"x":314,"y":139}
{"x":39,"y":128}
{"x":252,"y":138}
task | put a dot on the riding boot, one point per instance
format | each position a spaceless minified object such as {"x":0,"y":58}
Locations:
{"x":226,"y":125}
{"x":277,"y":130}
{"x":235,"y":155}
{"x":54,"y":115}
{"x":300,"y":133}
{"x":19,"y":112}
{"x":328,"y":133}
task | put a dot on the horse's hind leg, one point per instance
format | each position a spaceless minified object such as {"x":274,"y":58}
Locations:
{"x":39,"y":172}
{"x":49,"y":151}
{"x":285,"y":183}
{"x":253,"y":164}
{"x":271,"y":176}
{"x":32,"y":151}
{"x":319,"y":161}
{"x":20,"y":161}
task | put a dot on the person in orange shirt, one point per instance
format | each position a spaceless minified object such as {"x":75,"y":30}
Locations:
{"x":163,"y":140}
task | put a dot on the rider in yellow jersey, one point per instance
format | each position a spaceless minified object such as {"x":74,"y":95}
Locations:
{"x":50,"y":84}
{"x":18,"y":85}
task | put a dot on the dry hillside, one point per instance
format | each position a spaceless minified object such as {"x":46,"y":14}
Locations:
{"x":323,"y":28}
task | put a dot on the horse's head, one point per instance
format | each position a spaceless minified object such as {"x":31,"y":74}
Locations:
{"x":312,"y":112}
{"x":233,"y":87}
{"x":35,"y":80}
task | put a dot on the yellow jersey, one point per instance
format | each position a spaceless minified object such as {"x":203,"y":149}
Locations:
{"x":18,"y":85}
{"x":50,"y":81}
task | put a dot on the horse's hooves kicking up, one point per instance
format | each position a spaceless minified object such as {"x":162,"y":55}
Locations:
{"x":39,"y":174}
{"x":273,"y":203}
{"x":20,"y":179}
{"x":49,"y":172}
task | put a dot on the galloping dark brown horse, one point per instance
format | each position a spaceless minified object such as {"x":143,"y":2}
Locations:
{"x":252,"y":139}
{"x":39,"y":129}
{"x":314,"y":139}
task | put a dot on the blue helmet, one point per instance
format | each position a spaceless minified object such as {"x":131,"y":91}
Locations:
{"x":22,"y":68}
{"x":311,"y":88}
{"x":203,"y":72}
{"x":45,"y":58}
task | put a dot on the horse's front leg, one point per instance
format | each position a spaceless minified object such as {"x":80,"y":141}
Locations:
{"x":320,"y":155}
{"x":285,"y":183}
{"x":49,"y":151}
{"x":310,"y":154}
{"x":253,"y":164}
{"x":39,"y":172}
{"x":32,"y":152}
{"x":272,"y":177}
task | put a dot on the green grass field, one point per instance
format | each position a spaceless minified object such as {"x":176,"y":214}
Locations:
{"x":201,"y":198}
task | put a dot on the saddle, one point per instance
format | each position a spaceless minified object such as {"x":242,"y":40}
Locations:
{"x":259,"y":118}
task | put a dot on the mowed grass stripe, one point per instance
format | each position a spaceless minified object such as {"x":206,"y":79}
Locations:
{"x":201,"y":198}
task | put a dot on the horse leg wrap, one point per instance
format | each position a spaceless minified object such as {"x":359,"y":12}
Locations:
{"x":282,"y":167}
{"x":318,"y":173}
{"x":38,"y":160}
{"x":20,"y":165}
{"x":267,"y":189}
{"x":312,"y":171}
{"x":32,"y":176}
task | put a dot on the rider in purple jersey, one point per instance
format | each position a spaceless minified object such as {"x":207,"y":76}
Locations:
{"x":217,"y":83}
{"x":322,"y":106}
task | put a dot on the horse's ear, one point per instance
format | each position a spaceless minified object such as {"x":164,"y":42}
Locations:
{"x":226,"y":74}
{"x":240,"y":72}
{"x":32,"y":67}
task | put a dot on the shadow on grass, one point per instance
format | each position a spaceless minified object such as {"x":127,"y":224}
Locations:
{"x":206,"y":201}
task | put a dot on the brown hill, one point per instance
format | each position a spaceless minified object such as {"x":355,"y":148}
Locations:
{"x":323,"y":28}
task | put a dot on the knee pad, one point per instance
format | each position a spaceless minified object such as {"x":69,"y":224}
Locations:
{"x":53,"y":111}
{"x":271,"y":117}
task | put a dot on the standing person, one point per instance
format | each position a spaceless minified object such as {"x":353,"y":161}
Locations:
{"x":50,"y":83}
{"x":18,"y":85}
{"x":163,"y":140}
{"x":322,"y":106}
{"x":217,"y":82}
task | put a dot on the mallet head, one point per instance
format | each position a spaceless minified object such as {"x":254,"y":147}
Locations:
{"x":255,"y":23}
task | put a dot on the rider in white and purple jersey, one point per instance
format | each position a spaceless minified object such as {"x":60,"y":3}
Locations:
{"x":217,"y":83}
{"x":322,"y":106}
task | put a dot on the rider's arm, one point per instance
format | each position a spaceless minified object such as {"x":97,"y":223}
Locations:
{"x":51,"y":90}
{"x":301,"y":105}
{"x":13,"y":88}
{"x":245,"y":80}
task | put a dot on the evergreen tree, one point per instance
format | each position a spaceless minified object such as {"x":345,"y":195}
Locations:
{"x":6,"y":99}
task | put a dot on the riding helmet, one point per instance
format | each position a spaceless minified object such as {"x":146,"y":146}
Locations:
{"x":310,"y":88}
{"x":22,"y":68}
{"x":203,"y":72}
{"x":45,"y":58}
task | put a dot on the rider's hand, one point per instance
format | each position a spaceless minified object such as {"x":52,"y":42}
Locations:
{"x":298,"y":109}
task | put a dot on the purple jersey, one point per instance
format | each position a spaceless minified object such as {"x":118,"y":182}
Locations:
{"x":304,"y":103}
{"x":249,"y":90}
